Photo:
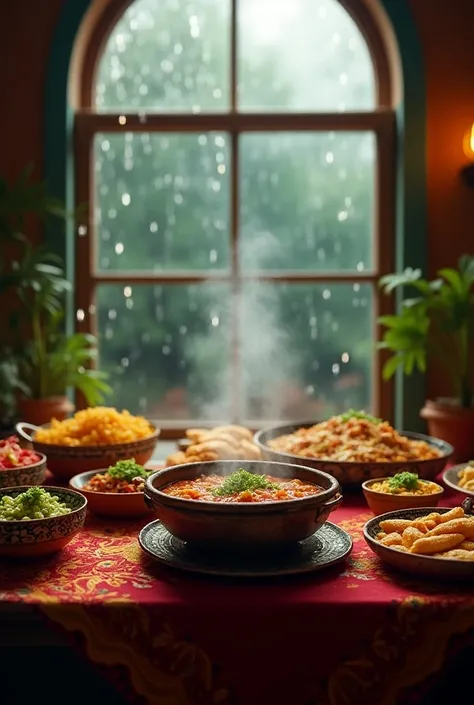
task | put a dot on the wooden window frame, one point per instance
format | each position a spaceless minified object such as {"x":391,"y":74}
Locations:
{"x":380,"y":121}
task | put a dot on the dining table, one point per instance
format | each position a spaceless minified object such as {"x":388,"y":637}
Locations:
{"x":355,"y":634}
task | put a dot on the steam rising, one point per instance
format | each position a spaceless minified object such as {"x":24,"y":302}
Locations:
{"x":265,"y":362}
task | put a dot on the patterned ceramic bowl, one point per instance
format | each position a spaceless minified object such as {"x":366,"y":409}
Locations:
{"x":33,"y":474}
{"x":352,"y":474}
{"x":110,"y":504}
{"x":66,"y":461}
{"x":424,"y":566}
{"x":41,"y":537}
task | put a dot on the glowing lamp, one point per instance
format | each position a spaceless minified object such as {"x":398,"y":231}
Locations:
{"x":467,"y":172}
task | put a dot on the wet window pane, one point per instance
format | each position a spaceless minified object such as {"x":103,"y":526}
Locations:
{"x":307,"y":201}
{"x":162,"y":201}
{"x":167,"y":349}
{"x":306,"y":350}
{"x":302,"y":55}
{"x":167,"y":55}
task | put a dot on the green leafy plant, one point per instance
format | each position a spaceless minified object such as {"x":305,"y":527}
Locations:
{"x":54,"y":361}
{"x":32,"y":295}
{"x":11,"y":384}
{"x":23,"y":266}
{"x":437,"y":320}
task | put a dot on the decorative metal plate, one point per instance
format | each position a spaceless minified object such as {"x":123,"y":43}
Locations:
{"x":328,"y":546}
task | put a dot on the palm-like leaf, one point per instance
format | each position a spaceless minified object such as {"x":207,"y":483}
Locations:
{"x":50,"y":362}
{"x":440,"y":319}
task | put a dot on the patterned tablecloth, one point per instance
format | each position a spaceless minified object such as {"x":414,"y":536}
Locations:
{"x":351,"y":636}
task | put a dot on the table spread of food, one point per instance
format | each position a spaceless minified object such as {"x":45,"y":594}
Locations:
{"x":281,"y":530}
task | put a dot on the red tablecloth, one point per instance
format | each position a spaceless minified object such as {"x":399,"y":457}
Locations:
{"x":356,"y":635}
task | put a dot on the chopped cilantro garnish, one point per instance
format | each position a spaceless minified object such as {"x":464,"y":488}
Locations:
{"x":33,"y":494}
{"x":127,"y":470}
{"x":353,"y":414}
{"x":243,"y":481}
{"x":407,"y":480}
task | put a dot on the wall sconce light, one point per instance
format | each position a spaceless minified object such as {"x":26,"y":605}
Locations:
{"x":467,"y":172}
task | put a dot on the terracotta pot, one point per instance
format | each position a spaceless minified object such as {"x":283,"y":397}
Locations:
{"x":242,"y":525}
{"x":41,"y":411}
{"x":452,"y":423}
{"x":383,"y":502}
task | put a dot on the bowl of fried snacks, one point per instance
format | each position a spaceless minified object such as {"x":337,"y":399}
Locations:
{"x":203,"y":445}
{"x":460,"y":477}
{"x":430,"y":542}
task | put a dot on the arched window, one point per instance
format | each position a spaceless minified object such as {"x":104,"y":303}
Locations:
{"x":238,"y":159}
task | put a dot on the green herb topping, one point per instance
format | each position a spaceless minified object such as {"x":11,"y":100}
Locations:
{"x":127,"y":470}
{"x":33,"y":495}
{"x":353,"y":414}
{"x":243,"y":481}
{"x":408,"y":480}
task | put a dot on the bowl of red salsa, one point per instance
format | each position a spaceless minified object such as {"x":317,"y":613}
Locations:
{"x":116,"y":491}
{"x":20,"y":466}
{"x":242,"y":504}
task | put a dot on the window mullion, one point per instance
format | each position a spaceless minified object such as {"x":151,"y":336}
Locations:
{"x":236,"y":287}
{"x":172,"y":277}
{"x":384,"y":253}
{"x":302,"y":277}
{"x":374,"y":121}
{"x":233,"y":57}
{"x":235,"y":308}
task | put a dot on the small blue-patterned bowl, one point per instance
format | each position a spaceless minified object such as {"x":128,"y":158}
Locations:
{"x":33,"y":474}
{"x":41,"y":537}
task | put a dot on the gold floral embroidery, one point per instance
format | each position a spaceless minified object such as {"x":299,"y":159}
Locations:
{"x":404,"y":652}
{"x":100,"y":564}
{"x":164,"y":668}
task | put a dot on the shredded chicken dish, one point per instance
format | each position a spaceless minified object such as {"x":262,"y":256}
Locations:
{"x":353,"y":437}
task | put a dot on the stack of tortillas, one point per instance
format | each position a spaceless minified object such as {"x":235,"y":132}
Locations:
{"x":220,"y":443}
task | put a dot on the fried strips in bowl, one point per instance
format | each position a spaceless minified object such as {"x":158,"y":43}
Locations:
{"x":460,"y":478}
{"x":426,"y":541}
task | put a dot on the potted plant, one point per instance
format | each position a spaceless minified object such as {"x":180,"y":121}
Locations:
{"x":32,"y":297}
{"x":53,"y":361}
{"x":437,"y":321}
{"x":10,"y":386}
{"x":21,"y":268}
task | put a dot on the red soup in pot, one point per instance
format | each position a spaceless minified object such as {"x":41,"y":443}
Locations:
{"x":241,"y":486}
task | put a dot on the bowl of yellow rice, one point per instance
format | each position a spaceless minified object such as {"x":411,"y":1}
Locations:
{"x":93,"y":438}
{"x":404,"y":490}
